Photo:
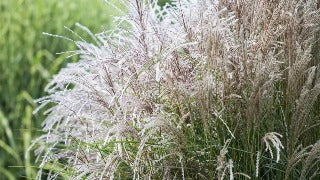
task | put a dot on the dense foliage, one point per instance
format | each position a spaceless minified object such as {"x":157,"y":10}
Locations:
{"x":198,"y":89}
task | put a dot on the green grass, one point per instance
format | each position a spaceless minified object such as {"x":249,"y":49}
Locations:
{"x":27,"y":60}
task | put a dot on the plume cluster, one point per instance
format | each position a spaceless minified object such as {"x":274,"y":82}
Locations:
{"x":193,"y":89}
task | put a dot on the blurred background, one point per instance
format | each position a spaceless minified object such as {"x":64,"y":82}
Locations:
{"x":28,"y":59}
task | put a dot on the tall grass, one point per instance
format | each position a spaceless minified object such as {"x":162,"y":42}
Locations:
{"x":27,"y":60}
{"x":198,"y":89}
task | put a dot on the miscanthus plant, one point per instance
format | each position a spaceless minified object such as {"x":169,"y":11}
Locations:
{"x":197,"y":89}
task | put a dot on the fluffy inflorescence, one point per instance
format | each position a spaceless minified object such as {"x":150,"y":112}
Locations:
{"x":169,"y":90}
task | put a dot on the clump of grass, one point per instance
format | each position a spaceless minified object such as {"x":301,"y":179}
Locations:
{"x":196,"y":89}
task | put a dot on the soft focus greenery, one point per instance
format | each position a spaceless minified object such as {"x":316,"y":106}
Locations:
{"x":27,"y":60}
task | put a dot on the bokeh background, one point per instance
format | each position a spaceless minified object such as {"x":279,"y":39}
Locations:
{"x":28,"y":59}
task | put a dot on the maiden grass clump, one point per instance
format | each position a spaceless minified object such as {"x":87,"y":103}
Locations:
{"x":192,"y":90}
